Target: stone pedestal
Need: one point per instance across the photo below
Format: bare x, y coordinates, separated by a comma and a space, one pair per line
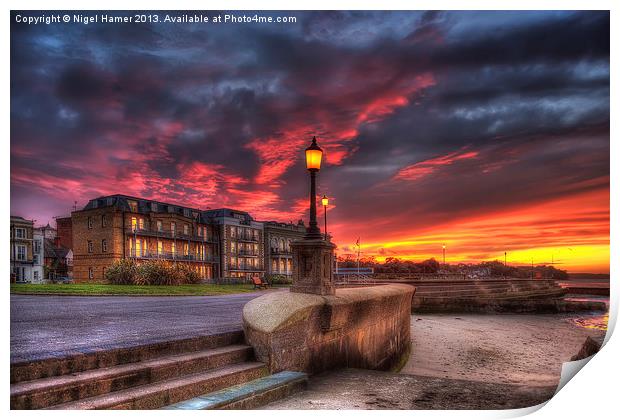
313, 260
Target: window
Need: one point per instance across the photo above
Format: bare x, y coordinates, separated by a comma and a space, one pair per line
104, 245
35, 259
90, 222
20, 233
138, 248
134, 223
174, 248
233, 247
154, 207
160, 247
160, 226
133, 205
36, 274
90, 247
186, 229
233, 232
173, 227
90, 273
36, 247
145, 246
104, 222
185, 249
141, 223
21, 252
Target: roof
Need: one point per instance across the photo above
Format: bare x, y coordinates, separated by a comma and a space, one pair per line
52, 251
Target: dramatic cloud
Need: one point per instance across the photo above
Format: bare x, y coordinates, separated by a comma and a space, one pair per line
486, 131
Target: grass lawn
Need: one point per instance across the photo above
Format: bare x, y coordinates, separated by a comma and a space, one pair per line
113, 289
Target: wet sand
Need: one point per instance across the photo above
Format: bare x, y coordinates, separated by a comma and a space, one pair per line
506, 349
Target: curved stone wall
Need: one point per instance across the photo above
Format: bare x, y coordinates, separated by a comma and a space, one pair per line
366, 327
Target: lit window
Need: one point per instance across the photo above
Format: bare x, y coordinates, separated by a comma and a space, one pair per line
90, 247
185, 249
186, 229
138, 248
140, 223
133, 205
134, 223
173, 227
160, 247
174, 248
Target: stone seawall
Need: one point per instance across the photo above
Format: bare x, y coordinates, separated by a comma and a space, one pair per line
365, 328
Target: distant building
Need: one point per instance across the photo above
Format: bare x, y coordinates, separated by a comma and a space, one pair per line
113, 227
64, 232
278, 253
58, 261
241, 243
22, 232
38, 255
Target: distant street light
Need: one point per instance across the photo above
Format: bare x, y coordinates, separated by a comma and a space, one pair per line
325, 202
444, 254
314, 155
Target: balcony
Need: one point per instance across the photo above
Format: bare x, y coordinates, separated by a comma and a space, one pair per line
169, 256
244, 267
169, 235
245, 238
275, 252
247, 253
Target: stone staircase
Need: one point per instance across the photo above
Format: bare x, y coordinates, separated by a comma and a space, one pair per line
152, 376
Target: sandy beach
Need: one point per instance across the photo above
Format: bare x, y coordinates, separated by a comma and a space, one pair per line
461, 362
508, 349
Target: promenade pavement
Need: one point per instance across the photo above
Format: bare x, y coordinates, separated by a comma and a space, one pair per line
51, 326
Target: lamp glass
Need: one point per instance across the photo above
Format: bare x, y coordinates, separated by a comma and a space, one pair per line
325, 201
313, 158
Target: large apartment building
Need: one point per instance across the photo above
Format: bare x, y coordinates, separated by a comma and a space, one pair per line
113, 227
241, 243
278, 253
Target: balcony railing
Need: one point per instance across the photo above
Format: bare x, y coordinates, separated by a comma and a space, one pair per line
245, 238
244, 267
278, 251
173, 256
246, 252
170, 235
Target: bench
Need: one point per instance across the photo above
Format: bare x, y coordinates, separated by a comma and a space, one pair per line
258, 283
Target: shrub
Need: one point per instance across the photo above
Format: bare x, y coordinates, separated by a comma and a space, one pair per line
188, 274
122, 272
279, 279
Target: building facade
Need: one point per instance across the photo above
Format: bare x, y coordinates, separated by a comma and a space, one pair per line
113, 227
22, 236
38, 255
241, 243
64, 233
278, 253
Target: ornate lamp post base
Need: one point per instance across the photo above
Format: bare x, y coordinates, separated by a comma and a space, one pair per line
313, 260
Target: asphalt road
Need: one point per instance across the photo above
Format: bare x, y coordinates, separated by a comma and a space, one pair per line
48, 326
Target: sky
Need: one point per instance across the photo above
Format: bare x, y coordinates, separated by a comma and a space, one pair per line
486, 132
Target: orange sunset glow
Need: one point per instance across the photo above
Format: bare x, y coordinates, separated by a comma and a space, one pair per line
437, 128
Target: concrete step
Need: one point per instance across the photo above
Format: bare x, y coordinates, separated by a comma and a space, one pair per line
486, 292
171, 391
247, 396
41, 393
79, 361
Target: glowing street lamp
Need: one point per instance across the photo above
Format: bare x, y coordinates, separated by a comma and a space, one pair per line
325, 202
314, 155
444, 254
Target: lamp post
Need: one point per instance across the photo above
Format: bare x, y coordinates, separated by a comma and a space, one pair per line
313, 163
444, 254
325, 202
